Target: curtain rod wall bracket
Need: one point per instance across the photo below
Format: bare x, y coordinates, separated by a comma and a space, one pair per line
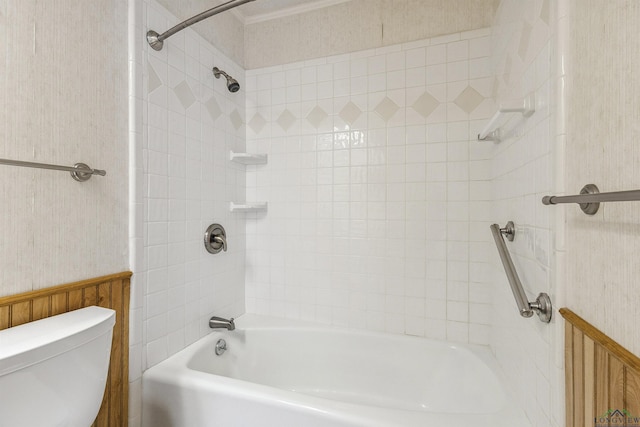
156, 41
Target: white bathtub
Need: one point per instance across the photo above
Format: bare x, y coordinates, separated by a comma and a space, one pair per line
289, 374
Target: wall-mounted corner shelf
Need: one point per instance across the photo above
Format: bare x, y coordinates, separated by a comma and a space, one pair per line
493, 130
248, 159
248, 207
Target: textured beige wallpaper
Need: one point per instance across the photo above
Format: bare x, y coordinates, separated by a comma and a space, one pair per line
603, 136
358, 25
64, 87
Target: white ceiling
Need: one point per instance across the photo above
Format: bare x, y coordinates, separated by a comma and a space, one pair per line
263, 10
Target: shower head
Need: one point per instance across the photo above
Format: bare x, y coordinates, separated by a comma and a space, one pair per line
232, 84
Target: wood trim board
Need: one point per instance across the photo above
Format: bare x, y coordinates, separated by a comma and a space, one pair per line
602, 378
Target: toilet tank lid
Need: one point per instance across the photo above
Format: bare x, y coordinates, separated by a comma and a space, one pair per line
24, 345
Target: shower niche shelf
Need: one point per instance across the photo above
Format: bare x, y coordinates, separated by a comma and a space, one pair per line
248, 158
494, 130
248, 207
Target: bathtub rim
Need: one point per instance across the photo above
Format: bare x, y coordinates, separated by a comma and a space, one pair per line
175, 369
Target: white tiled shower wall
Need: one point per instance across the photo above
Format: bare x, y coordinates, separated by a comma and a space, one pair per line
192, 123
379, 196
524, 168
184, 182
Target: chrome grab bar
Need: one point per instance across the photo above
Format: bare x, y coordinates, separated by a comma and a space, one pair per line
542, 305
590, 198
80, 171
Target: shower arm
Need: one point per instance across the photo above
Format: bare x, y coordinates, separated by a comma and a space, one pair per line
156, 40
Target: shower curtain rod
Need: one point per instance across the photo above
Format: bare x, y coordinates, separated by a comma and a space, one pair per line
156, 40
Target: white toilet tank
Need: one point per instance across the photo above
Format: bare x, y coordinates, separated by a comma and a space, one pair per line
53, 371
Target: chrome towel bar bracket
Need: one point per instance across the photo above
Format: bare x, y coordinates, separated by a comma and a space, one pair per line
542, 305
590, 198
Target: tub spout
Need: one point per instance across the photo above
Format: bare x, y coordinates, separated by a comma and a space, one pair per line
221, 323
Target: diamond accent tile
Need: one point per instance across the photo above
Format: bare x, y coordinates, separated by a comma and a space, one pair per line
545, 12
236, 119
185, 94
154, 80
469, 99
213, 108
257, 123
317, 116
525, 37
286, 120
425, 105
386, 108
350, 113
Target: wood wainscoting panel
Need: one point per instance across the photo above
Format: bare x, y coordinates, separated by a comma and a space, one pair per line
107, 291
602, 377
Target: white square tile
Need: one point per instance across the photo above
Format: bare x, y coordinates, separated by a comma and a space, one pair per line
415, 77
415, 326
395, 61
457, 331
415, 58
436, 153
324, 72
436, 74
479, 334
435, 329
457, 311
376, 64
436, 54
396, 79
480, 47
458, 51
377, 82
156, 351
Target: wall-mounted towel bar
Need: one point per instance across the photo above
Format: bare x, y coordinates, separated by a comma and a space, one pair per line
590, 198
80, 171
492, 131
542, 305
